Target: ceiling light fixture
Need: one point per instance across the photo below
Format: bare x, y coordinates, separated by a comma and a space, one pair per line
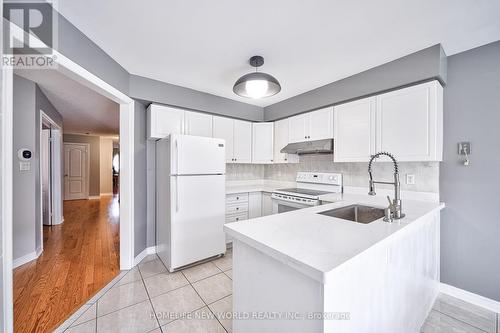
257, 84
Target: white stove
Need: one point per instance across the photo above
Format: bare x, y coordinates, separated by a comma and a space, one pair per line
310, 186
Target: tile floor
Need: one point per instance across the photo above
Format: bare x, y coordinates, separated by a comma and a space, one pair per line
148, 298
196, 299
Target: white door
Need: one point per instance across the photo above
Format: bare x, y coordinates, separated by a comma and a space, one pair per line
262, 142
75, 171
320, 124
297, 128
164, 120
409, 122
199, 124
354, 128
198, 216
45, 160
195, 155
242, 141
223, 128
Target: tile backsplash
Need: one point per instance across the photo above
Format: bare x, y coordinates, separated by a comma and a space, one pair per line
355, 174
244, 172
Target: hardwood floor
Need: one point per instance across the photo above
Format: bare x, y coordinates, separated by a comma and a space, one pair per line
80, 257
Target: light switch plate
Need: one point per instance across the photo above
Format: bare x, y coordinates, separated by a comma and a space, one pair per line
410, 179
464, 147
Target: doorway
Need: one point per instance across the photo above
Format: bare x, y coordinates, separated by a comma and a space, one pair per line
50, 172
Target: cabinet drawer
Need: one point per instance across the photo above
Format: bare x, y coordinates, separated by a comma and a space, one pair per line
236, 217
235, 208
237, 197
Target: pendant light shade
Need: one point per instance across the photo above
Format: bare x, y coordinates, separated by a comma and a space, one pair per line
257, 84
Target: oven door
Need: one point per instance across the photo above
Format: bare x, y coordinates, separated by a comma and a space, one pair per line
281, 206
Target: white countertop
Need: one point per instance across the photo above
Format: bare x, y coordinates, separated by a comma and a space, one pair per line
316, 244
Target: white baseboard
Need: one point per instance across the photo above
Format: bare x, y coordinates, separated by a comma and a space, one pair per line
108, 194
26, 258
143, 254
94, 197
469, 297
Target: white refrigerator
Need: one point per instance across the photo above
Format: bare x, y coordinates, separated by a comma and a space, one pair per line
190, 199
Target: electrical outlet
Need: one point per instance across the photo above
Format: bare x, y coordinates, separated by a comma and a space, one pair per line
410, 179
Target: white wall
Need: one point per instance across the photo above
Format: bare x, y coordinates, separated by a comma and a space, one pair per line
106, 166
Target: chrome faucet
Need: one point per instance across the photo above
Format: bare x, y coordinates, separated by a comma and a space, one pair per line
394, 211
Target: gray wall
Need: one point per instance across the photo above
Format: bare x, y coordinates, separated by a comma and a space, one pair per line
24, 193
95, 157
470, 245
28, 101
155, 91
140, 189
427, 64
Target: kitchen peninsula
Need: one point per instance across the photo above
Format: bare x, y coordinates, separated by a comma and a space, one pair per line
338, 275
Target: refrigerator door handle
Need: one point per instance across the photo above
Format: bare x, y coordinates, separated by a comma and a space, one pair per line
176, 157
176, 194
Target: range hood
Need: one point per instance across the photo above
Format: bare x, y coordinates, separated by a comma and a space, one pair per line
309, 147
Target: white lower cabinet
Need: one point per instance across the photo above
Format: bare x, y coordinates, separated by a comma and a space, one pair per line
247, 205
254, 205
267, 204
236, 209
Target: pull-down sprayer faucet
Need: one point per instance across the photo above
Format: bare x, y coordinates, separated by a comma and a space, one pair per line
394, 207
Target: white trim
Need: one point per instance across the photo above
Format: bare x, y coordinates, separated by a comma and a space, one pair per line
147, 251
6, 290
26, 258
94, 197
107, 194
469, 297
53, 196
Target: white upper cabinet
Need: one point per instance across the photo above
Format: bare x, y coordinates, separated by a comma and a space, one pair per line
320, 124
262, 142
223, 128
314, 125
199, 124
281, 139
242, 141
406, 122
298, 128
238, 136
354, 129
410, 122
163, 121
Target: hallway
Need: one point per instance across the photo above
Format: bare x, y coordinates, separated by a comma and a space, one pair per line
80, 257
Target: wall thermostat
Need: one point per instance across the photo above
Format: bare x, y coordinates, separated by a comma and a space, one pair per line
24, 154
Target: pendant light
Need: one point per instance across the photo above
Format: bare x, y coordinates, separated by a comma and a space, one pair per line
256, 85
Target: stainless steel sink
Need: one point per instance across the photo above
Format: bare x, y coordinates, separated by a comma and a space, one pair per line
356, 213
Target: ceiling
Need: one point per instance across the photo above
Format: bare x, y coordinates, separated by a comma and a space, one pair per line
83, 110
205, 45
